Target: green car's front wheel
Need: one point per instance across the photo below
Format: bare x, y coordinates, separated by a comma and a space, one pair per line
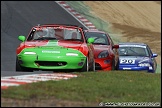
19, 68
86, 66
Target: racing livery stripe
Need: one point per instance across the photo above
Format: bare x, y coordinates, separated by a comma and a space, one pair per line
46, 43
29, 44
52, 43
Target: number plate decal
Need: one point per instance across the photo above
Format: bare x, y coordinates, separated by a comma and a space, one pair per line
127, 61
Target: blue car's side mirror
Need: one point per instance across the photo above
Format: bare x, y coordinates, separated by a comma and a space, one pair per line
154, 55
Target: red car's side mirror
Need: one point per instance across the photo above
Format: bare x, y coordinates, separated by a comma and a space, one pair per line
115, 46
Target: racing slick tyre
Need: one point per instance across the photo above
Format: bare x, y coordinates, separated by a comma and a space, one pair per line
93, 66
86, 66
113, 65
117, 65
20, 68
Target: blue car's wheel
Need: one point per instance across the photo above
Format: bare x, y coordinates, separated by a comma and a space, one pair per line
113, 65
117, 65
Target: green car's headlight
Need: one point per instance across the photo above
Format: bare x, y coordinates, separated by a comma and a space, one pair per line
103, 54
29, 53
71, 54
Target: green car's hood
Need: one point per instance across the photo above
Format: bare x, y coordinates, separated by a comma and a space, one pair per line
52, 47
54, 43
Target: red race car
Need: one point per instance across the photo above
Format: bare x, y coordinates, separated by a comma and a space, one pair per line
105, 52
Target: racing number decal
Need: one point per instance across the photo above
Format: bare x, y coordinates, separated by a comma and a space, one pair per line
127, 61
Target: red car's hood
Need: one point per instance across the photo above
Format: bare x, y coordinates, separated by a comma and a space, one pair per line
99, 48
70, 44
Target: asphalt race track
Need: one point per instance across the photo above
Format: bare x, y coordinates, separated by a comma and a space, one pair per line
17, 18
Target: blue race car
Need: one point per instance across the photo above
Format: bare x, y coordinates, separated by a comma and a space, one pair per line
136, 57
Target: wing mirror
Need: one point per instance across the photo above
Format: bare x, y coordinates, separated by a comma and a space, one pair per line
90, 40
21, 38
115, 46
154, 55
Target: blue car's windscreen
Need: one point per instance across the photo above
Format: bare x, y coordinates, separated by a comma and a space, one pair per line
133, 51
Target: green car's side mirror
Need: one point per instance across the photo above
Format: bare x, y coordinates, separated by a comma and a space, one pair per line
90, 40
21, 38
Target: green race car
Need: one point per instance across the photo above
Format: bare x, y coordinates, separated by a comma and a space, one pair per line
55, 47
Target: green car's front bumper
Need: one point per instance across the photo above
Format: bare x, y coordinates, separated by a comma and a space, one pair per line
51, 62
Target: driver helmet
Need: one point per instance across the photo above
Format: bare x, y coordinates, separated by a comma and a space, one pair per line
123, 51
42, 32
74, 35
51, 32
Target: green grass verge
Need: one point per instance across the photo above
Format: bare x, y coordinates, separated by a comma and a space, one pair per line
113, 86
